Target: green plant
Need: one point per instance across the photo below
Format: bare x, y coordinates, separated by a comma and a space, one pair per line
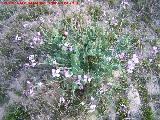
95, 12
16, 112
87, 62
112, 2
3, 96
141, 80
87, 53
32, 13
121, 108
7, 12
147, 113
143, 6
18, 92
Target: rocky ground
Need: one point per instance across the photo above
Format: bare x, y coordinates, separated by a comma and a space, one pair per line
20, 24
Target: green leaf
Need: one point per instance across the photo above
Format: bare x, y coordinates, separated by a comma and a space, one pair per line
74, 86
75, 63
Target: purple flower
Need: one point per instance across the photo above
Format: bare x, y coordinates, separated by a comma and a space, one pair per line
31, 57
92, 98
135, 58
61, 100
132, 62
78, 79
33, 64
31, 45
42, 19
37, 40
92, 108
82, 103
25, 25
78, 82
54, 63
124, 3
38, 33
87, 78
155, 49
129, 70
114, 22
68, 47
80, 86
65, 33
67, 73
121, 56
28, 82
32, 60
40, 84
56, 72
131, 66
29, 92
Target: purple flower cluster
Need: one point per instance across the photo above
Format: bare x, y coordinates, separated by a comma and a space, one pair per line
132, 62
68, 47
155, 49
30, 89
36, 40
32, 61
114, 21
65, 72
121, 56
81, 80
58, 71
64, 102
124, 3
92, 108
